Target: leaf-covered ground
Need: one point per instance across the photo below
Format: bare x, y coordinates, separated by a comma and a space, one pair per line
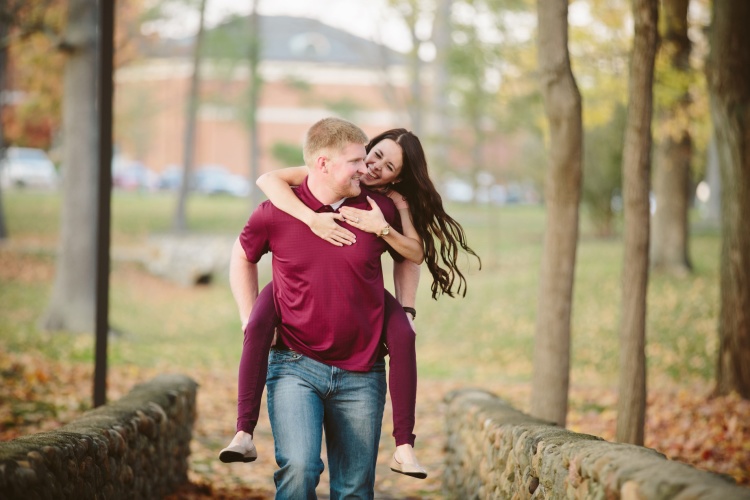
685, 424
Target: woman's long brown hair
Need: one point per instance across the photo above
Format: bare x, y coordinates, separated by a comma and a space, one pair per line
428, 215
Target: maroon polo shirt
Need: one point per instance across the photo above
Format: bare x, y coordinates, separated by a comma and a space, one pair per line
329, 298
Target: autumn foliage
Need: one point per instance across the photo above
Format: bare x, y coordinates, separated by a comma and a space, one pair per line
39, 394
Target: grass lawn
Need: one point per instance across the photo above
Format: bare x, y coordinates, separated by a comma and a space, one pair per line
485, 338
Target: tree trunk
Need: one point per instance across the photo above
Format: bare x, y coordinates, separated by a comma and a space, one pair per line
636, 166
440, 122
3, 75
73, 302
670, 231
188, 147
415, 76
713, 179
728, 74
254, 83
562, 102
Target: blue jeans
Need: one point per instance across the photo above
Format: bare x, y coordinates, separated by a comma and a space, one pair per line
305, 397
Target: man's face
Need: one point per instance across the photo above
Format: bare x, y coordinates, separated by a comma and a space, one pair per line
345, 169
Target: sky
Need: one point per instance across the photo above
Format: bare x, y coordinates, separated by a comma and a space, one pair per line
370, 19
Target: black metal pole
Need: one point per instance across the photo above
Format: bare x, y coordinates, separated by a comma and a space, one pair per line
105, 92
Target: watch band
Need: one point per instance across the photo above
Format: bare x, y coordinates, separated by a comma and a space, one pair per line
411, 311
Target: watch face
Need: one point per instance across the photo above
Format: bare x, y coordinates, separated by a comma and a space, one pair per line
386, 230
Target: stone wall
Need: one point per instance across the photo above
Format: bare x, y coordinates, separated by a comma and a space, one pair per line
136, 447
495, 451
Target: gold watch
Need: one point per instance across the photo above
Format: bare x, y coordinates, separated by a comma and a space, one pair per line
385, 231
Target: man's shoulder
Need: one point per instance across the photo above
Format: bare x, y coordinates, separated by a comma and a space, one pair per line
263, 208
378, 197
266, 213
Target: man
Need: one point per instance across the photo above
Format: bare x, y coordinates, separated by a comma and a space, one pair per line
326, 371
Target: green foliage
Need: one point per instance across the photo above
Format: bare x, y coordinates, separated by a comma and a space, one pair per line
600, 50
289, 155
298, 84
230, 41
680, 97
531, 161
602, 170
345, 108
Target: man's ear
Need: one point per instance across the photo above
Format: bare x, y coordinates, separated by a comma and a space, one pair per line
321, 164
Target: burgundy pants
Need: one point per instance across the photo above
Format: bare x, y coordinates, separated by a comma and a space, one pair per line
398, 337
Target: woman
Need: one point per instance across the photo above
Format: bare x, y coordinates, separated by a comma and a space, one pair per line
397, 167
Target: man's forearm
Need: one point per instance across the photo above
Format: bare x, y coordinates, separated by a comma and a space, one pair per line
243, 281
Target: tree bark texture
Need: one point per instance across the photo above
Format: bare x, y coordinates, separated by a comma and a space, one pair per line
73, 302
562, 102
631, 406
191, 113
672, 183
728, 74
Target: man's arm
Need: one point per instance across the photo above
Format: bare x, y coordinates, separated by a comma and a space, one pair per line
243, 281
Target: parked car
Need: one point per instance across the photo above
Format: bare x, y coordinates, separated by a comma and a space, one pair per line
215, 179
27, 167
458, 190
132, 176
208, 179
171, 178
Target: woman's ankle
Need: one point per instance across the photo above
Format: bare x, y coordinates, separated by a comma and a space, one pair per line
405, 454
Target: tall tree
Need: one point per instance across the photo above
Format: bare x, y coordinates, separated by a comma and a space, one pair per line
602, 171
439, 130
179, 223
602, 42
728, 73
253, 96
636, 170
672, 179
73, 301
412, 11
4, 28
468, 66
562, 103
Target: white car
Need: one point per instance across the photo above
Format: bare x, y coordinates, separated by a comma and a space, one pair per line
27, 167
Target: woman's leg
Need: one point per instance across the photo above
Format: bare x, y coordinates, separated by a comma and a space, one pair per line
400, 339
254, 361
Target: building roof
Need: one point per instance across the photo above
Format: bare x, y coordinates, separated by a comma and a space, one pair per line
285, 38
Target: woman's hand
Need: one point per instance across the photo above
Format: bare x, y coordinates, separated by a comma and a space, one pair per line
324, 226
370, 221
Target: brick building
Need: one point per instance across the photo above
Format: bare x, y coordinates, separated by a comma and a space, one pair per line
309, 70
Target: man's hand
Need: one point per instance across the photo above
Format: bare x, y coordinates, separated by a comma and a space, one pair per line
324, 226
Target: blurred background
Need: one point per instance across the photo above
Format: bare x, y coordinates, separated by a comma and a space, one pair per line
461, 75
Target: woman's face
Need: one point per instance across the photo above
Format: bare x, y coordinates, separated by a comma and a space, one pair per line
384, 163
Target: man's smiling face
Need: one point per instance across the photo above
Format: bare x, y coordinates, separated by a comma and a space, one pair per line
346, 169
